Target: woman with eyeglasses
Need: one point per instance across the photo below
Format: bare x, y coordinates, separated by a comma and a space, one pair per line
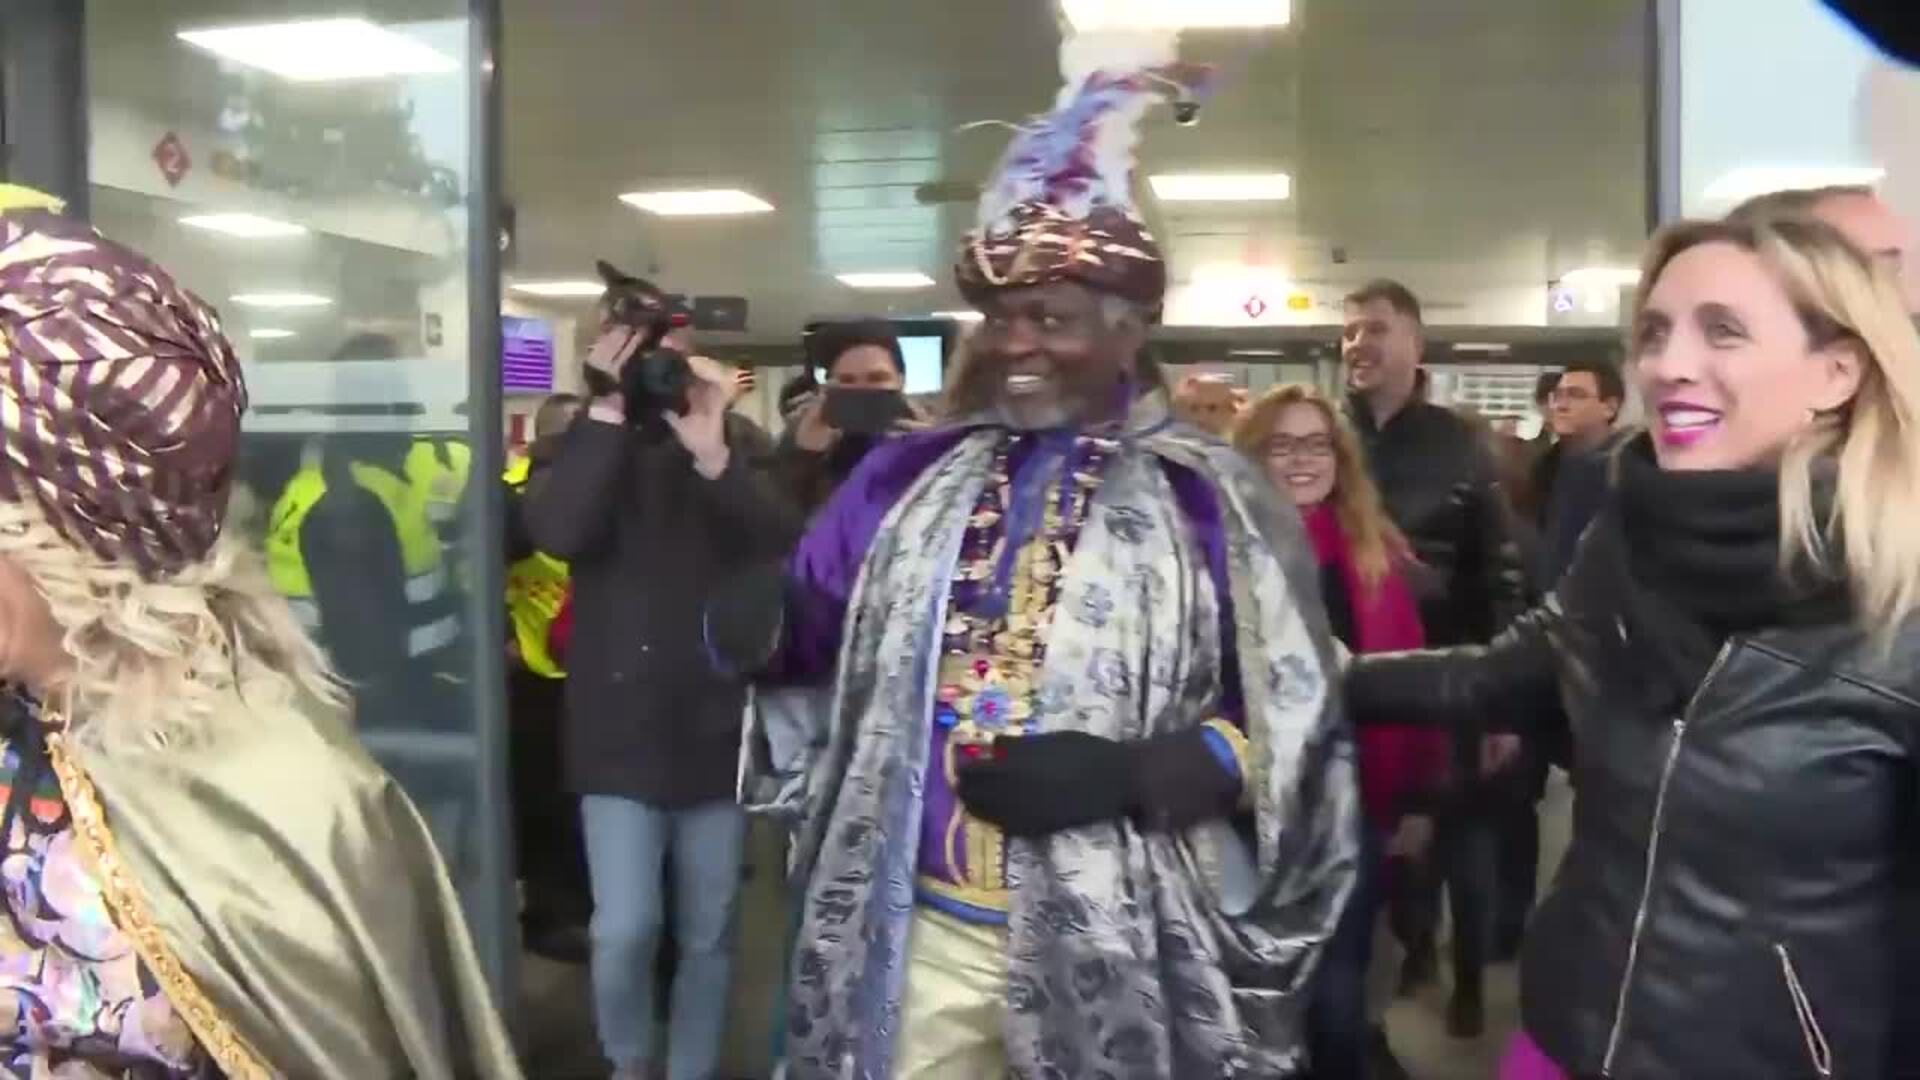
1737, 647
1313, 457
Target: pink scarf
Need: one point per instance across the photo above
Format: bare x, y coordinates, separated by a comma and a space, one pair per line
1396, 760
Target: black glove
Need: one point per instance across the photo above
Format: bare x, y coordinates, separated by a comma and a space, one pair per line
745, 619
1037, 785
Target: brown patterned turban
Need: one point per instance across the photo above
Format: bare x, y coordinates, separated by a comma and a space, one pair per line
1109, 250
120, 397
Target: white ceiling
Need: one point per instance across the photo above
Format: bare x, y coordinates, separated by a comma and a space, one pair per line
1465, 147
1473, 148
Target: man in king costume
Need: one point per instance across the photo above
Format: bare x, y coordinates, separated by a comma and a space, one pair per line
1046, 692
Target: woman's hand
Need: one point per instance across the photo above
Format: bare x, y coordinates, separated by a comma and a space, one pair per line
1411, 838
810, 430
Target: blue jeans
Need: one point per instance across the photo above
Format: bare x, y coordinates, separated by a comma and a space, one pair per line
1337, 1024
627, 844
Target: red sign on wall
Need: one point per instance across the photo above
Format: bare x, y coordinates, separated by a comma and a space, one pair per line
170, 153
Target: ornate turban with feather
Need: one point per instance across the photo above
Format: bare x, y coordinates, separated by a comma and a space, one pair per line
1060, 206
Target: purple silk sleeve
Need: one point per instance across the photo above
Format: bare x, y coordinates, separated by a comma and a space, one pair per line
821, 573
1200, 505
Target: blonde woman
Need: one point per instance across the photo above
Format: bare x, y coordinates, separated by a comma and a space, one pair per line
1297, 437
204, 876
1737, 647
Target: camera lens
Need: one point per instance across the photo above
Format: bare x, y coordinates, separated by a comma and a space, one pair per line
1186, 113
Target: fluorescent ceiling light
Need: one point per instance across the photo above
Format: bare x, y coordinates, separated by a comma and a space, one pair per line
1600, 277
244, 226
281, 300
1737, 185
909, 279
959, 316
1254, 352
1481, 346
322, 50
1087, 15
1222, 187
721, 203
269, 334
559, 288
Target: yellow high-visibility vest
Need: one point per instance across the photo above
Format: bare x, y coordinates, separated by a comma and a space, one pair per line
434, 625
536, 591
438, 469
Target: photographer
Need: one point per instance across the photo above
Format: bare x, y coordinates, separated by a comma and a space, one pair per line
830, 428
653, 496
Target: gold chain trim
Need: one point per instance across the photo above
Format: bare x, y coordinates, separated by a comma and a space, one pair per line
128, 903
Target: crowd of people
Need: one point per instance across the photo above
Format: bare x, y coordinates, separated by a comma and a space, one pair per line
1105, 719
1049, 691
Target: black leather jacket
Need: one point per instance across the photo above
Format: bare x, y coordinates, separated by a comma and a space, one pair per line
1441, 486
1729, 903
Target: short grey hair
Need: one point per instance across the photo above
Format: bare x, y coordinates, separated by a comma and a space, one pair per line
1795, 202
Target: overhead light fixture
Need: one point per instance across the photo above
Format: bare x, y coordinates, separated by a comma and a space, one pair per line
729, 202
244, 226
1255, 352
959, 316
270, 334
1601, 277
1090, 15
322, 50
1481, 347
1222, 187
908, 279
1738, 185
559, 289
281, 300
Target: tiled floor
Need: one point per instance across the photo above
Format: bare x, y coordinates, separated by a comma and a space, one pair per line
558, 1018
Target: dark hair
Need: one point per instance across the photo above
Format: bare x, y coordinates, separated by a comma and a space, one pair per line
1543, 387
1606, 376
1397, 296
833, 340
368, 345
1795, 201
553, 414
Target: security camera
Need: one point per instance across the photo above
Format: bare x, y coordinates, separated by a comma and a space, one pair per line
1186, 112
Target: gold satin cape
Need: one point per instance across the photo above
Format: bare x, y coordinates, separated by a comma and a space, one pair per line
289, 899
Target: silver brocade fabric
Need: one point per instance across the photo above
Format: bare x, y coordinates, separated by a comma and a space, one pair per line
1133, 956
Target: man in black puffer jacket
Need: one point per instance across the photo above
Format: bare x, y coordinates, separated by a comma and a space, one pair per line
1441, 486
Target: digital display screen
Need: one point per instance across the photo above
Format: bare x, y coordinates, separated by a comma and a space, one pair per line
926, 362
526, 354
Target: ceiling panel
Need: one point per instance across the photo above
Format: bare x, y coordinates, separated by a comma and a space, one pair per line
1466, 146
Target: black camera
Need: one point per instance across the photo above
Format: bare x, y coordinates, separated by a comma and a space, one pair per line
655, 379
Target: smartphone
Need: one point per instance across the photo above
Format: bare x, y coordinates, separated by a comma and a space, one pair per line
861, 410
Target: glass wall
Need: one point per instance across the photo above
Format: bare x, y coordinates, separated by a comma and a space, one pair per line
1771, 94
312, 176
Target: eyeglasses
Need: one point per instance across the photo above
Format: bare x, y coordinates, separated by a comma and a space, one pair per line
1307, 446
